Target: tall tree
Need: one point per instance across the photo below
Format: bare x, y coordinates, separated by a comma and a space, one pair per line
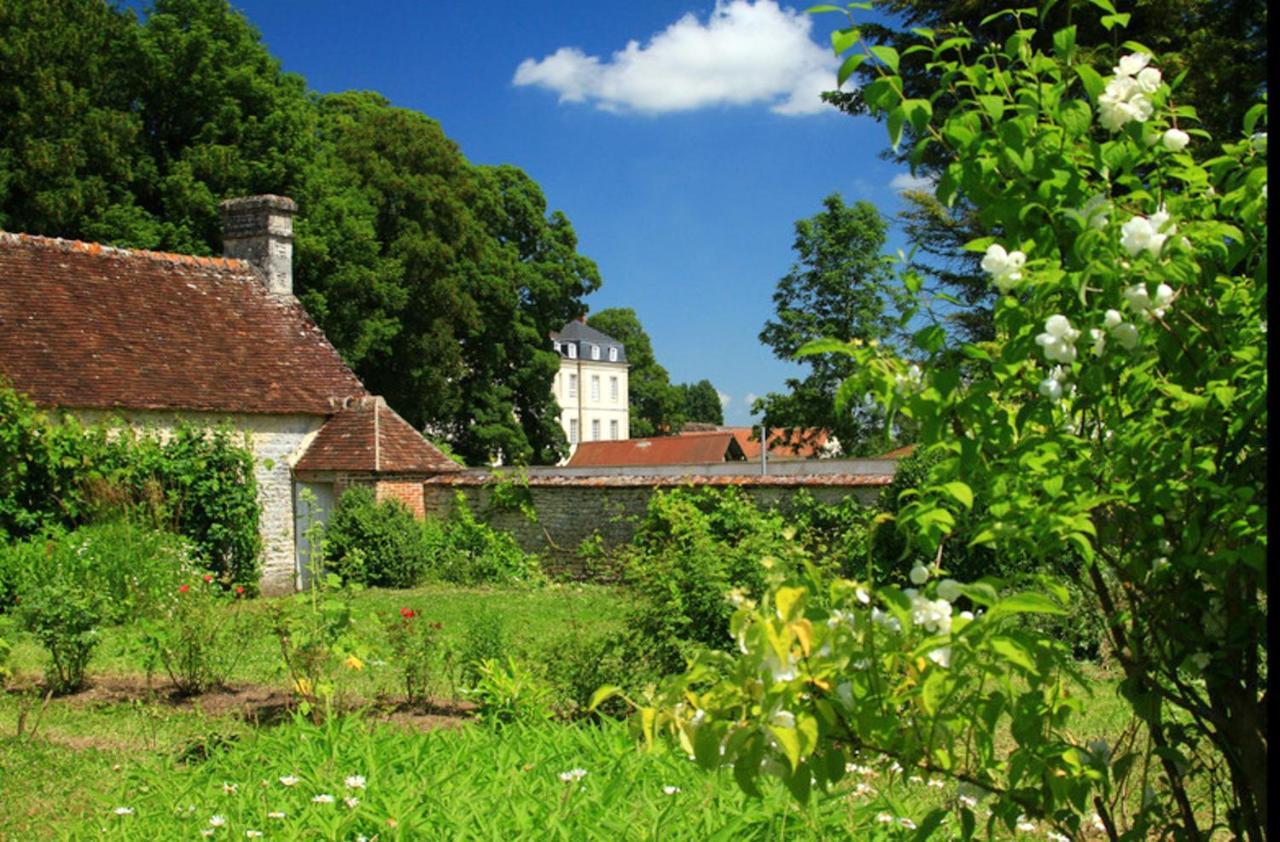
655, 405
701, 402
838, 289
436, 280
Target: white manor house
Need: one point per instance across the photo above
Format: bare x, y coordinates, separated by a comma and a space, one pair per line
591, 386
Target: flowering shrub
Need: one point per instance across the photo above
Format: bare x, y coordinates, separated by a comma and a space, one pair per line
1145, 456
413, 641
321, 639
199, 634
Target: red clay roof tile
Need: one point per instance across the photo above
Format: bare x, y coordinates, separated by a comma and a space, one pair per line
368, 436
684, 449
89, 326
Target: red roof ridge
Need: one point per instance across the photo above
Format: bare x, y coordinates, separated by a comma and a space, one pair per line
118, 252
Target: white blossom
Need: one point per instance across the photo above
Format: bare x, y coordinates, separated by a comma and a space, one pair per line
1127, 335
355, 781
351, 802
670, 790
289, 780
276, 814
1149, 306
1175, 139
783, 719
1148, 80
322, 798
123, 811
217, 821
1058, 339
941, 656
907, 823
949, 589
1131, 64
1099, 338
1003, 267
884, 818
573, 775
919, 574
1123, 101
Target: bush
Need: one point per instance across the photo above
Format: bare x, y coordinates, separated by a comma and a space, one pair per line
413, 641
691, 549
507, 692
484, 639
67, 585
59, 474
383, 537
467, 551
199, 634
574, 666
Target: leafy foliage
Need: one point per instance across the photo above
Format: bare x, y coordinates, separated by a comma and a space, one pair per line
375, 543
437, 280
198, 634
838, 289
467, 551
198, 483
1145, 454
700, 402
656, 407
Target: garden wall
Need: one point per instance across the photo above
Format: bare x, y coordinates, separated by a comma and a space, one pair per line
572, 509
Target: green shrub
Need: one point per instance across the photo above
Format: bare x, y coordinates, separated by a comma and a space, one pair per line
575, 665
57, 473
6, 647
468, 551
198, 635
485, 638
413, 641
691, 549
383, 537
507, 691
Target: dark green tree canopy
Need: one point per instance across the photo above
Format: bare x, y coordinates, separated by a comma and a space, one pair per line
839, 288
701, 402
655, 405
438, 281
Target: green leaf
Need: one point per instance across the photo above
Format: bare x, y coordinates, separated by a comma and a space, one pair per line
1109, 22
960, 492
1026, 602
1064, 42
886, 54
1104, 5
848, 66
1093, 84
993, 105
1013, 651
789, 601
789, 740
931, 823
897, 117
919, 113
843, 39
602, 694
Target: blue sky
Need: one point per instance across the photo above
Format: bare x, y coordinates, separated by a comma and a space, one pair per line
682, 160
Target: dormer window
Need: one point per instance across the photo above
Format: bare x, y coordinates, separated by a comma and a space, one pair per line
595, 352
613, 354
572, 349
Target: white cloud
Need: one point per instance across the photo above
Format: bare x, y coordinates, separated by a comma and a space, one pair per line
744, 53
725, 399
750, 398
906, 181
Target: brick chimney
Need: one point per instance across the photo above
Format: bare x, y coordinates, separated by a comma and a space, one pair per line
259, 229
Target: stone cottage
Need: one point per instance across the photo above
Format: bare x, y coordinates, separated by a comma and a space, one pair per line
154, 339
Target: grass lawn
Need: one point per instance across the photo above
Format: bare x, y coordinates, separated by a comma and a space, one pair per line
178, 765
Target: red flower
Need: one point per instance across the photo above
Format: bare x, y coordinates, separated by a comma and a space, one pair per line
208, 578
407, 613
184, 589
239, 590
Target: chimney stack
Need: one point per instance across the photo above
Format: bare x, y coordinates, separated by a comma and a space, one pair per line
259, 229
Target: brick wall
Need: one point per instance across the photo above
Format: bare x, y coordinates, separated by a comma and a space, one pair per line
569, 514
408, 492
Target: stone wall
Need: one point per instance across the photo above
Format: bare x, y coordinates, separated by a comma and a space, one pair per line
277, 442
572, 511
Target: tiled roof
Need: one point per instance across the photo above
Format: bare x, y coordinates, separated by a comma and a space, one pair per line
684, 449
654, 481
898, 453
368, 436
89, 326
809, 442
